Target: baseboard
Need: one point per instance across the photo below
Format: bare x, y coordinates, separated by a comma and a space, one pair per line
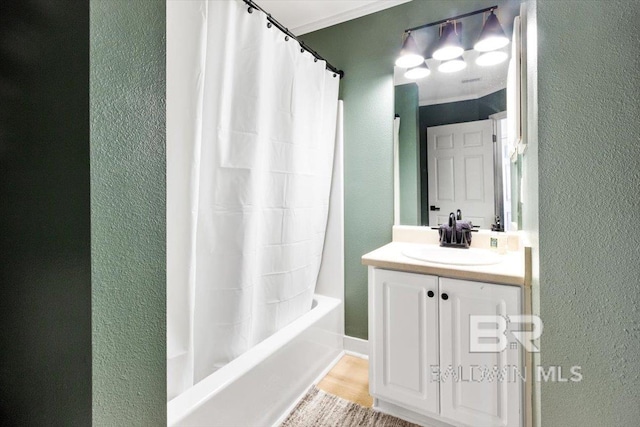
356, 346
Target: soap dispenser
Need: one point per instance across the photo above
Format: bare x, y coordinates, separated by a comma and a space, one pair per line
495, 227
498, 237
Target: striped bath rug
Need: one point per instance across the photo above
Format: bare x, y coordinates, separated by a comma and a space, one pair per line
320, 409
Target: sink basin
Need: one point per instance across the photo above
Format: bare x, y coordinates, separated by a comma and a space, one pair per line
453, 256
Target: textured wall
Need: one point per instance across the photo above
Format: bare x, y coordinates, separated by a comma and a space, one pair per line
589, 178
128, 212
45, 257
366, 48
406, 106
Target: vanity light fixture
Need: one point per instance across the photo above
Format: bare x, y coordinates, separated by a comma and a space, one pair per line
452, 65
449, 46
419, 72
410, 55
491, 58
492, 36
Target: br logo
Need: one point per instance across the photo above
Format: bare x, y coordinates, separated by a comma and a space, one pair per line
490, 334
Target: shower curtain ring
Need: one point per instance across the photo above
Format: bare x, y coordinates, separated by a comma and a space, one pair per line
250, 10
286, 38
268, 24
315, 59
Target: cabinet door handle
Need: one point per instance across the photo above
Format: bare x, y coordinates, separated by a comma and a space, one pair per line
445, 297
430, 294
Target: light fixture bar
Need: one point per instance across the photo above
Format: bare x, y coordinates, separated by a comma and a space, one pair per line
453, 18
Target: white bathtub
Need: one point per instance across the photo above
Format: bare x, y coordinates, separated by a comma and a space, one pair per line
258, 387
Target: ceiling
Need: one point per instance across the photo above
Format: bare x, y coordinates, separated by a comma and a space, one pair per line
305, 16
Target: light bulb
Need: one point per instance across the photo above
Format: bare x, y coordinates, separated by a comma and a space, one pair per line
448, 46
491, 43
492, 36
447, 52
491, 58
410, 55
418, 72
409, 60
452, 65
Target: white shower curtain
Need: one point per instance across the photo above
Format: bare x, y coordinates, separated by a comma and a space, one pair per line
251, 130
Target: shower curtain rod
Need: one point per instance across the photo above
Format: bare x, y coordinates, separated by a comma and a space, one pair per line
285, 30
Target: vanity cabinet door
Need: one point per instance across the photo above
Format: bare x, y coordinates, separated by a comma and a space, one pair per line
478, 389
405, 339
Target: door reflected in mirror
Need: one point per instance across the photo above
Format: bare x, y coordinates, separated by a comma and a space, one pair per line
454, 139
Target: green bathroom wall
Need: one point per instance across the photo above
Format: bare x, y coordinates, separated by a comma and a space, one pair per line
368, 151
406, 106
45, 254
127, 110
463, 111
589, 181
366, 48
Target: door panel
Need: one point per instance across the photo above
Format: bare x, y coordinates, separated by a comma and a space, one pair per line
405, 337
444, 141
460, 171
479, 389
445, 179
474, 179
472, 139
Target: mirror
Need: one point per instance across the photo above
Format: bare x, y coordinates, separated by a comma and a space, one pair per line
455, 139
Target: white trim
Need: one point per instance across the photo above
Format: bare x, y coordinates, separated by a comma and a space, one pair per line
499, 116
346, 16
396, 170
436, 101
356, 346
358, 355
424, 102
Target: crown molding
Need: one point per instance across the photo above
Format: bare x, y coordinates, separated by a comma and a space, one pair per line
481, 93
367, 9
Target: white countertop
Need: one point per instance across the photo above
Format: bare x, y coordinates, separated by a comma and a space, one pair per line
511, 271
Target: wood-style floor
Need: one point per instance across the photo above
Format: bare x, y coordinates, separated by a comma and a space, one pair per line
349, 379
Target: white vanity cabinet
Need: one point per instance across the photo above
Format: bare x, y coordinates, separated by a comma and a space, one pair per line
405, 339
421, 364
